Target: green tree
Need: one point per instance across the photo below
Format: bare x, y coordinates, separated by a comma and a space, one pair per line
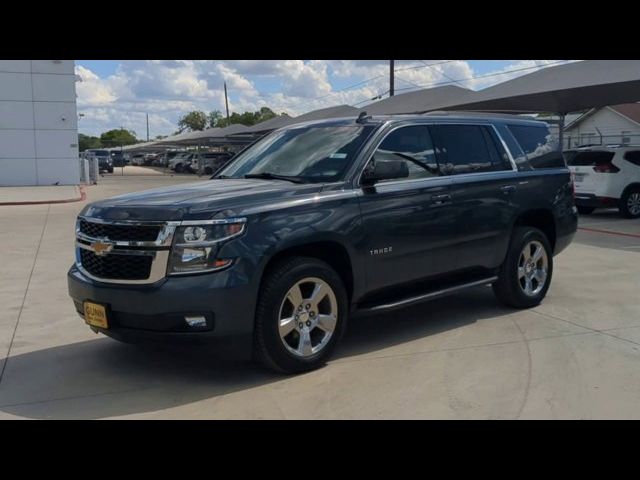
86, 142
195, 120
215, 117
247, 118
118, 137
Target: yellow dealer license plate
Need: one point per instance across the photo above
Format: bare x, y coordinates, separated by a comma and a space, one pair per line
96, 315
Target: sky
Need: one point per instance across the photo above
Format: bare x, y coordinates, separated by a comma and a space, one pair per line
120, 93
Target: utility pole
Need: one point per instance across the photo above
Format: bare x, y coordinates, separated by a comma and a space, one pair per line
391, 80
147, 127
226, 101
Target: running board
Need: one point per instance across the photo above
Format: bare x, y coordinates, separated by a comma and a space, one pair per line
426, 296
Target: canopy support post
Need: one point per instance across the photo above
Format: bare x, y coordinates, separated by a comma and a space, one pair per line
561, 131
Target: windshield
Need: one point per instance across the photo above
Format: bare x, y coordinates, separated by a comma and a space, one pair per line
100, 153
316, 153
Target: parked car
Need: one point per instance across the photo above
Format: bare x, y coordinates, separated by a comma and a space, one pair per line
137, 159
606, 177
323, 220
149, 158
159, 160
168, 156
105, 163
182, 162
210, 162
118, 158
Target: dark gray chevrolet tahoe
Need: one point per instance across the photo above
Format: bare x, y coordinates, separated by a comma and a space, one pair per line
323, 220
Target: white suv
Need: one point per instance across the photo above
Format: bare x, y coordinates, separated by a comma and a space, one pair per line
607, 176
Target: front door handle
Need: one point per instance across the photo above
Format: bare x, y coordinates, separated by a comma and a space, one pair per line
508, 189
441, 199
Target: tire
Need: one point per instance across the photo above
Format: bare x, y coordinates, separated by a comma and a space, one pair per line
629, 206
178, 168
514, 276
110, 170
585, 210
287, 353
208, 171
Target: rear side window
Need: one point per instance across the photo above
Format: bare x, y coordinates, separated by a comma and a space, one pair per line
538, 144
589, 159
466, 149
633, 157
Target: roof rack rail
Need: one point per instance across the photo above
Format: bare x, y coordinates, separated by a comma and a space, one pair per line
479, 113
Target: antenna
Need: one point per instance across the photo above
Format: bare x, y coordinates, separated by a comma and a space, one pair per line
363, 117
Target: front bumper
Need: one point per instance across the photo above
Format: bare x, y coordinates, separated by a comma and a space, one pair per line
156, 312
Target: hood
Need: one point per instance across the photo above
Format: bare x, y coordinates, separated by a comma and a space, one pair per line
198, 200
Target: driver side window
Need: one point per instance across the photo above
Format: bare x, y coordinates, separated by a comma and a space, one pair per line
412, 141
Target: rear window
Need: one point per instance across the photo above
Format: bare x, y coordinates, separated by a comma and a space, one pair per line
541, 148
588, 159
633, 157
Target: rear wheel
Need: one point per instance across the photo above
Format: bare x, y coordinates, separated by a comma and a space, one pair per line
301, 315
630, 203
585, 210
525, 275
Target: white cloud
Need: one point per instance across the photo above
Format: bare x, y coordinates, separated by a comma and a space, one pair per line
167, 89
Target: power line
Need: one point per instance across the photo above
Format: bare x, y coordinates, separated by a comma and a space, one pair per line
488, 75
440, 71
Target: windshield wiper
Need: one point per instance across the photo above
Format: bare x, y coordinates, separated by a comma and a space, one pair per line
274, 176
216, 177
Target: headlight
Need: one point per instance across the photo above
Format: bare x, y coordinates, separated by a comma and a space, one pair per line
196, 245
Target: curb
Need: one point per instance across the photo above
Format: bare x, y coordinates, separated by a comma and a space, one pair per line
82, 197
609, 232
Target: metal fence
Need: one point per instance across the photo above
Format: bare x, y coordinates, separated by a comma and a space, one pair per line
574, 141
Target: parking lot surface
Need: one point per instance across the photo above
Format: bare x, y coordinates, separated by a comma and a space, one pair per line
576, 356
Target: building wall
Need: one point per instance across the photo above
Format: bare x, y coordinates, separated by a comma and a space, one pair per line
611, 124
38, 123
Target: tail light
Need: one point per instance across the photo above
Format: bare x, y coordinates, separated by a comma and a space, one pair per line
606, 168
573, 183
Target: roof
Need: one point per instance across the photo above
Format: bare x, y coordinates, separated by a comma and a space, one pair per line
420, 101
283, 121
629, 110
564, 88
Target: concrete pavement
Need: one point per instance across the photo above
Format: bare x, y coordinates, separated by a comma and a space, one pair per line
574, 356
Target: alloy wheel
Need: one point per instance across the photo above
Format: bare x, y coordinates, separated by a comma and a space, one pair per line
633, 204
307, 317
533, 268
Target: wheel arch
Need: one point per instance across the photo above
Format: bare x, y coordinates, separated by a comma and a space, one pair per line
540, 218
331, 251
631, 186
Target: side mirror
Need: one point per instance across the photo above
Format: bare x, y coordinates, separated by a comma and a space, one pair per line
379, 170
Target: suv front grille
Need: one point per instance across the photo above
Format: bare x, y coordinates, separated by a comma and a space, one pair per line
116, 267
132, 233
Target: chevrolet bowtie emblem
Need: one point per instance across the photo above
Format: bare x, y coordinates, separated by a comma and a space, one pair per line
101, 248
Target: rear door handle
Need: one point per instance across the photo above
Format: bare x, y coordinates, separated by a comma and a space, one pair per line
508, 189
441, 199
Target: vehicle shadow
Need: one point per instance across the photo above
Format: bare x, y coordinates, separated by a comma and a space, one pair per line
103, 378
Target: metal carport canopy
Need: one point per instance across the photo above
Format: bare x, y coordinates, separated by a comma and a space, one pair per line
420, 101
561, 89
320, 114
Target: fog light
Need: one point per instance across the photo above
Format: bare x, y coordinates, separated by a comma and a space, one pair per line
196, 321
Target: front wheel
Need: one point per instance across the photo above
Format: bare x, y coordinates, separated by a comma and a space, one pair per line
525, 274
630, 203
178, 168
301, 315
